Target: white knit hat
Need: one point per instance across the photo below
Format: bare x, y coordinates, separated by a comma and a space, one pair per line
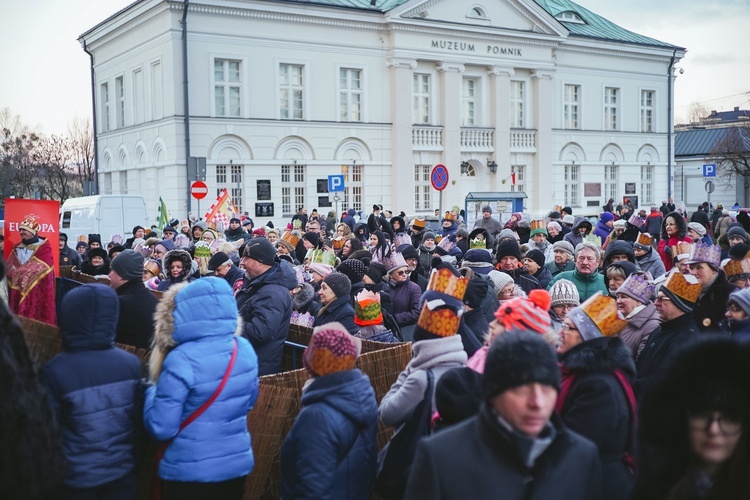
499, 279
564, 292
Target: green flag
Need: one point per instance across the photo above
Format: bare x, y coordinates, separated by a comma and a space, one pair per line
163, 219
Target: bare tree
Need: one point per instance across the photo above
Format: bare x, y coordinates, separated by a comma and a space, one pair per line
697, 112
732, 154
56, 175
81, 136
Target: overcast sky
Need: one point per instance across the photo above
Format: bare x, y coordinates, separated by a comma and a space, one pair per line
46, 78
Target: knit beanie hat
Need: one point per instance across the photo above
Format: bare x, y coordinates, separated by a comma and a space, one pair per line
637, 287
537, 256
354, 270
563, 246
538, 226
262, 250
322, 269
313, 238
698, 228
606, 217
597, 317
458, 395
499, 279
338, 283
508, 248
506, 233
167, 244
741, 298
218, 260
408, 252
128, 265
94, 238
476, 291
526, 313
81, 244
737, 232
367, 310
376, 271
428, 235
331, 349
739, 251
564, 293
478, 259
115, 249
518, 358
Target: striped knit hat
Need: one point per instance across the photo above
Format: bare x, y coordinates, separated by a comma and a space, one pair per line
526, 313
564, 292
332, 349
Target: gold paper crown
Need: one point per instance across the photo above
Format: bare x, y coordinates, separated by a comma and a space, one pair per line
444, 281
338, 242
291, 237
443, 322
538, 224
736, 268
450, 215
644, 239
418, 223
602, 309
682, 248
679, 285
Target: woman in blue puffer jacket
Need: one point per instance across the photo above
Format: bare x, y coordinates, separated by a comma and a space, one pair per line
211, 457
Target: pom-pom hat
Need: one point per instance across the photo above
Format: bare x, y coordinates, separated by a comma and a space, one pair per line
597, 317
526, 313
331, 349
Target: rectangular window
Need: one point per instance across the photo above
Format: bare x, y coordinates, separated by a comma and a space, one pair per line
104, 106
422, 187
229, 177
610, 181
350, 95
123, 183
227, 87
137, 96
157, 111
647, 110
421, 99
517, 104
469, 103
120, 102
354, 187
611, 108
572, 179
292, 188
108, 183
647, 185
520, 171
291, 91
571, 106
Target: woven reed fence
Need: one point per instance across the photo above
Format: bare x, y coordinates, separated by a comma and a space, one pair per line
275, 410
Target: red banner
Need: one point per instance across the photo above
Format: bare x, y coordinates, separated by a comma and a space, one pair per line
45, 212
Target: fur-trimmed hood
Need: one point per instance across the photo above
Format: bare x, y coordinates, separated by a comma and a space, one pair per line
181, 317
599, 355
301, 300
177, 254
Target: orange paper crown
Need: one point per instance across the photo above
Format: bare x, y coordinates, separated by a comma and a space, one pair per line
737, 268
450, 215
644, 239
602, 309
679, 285
444, 281
291, 237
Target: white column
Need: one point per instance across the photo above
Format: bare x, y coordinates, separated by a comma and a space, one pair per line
500, 119
450, 118
542, 179
402, 157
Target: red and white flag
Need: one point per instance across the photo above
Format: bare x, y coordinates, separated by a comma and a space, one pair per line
222, 210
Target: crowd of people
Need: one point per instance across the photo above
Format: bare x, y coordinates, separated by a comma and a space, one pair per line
557, 357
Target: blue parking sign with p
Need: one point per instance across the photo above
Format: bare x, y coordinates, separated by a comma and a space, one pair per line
709, 170
335, 183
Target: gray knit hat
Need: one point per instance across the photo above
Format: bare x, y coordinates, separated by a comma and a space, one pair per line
741, 298
128, 264
564, 292
338, 283
564, 246
499, 279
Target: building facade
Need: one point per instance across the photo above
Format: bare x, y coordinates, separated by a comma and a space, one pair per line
281, 94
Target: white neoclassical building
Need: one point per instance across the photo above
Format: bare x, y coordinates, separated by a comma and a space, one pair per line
278, 95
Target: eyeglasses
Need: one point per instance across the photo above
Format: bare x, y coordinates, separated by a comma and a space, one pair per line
704, 421
401, 273
563, 307
662, 298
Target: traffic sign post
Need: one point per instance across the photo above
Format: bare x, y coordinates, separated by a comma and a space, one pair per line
198, 190
439, 180
710, 186
336, 184
709, 170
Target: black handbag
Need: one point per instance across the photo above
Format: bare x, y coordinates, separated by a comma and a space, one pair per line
396, 458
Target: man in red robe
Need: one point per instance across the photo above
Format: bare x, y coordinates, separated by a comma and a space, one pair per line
31, 276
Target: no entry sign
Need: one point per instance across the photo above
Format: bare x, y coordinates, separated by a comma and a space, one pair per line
439, 177
199, 190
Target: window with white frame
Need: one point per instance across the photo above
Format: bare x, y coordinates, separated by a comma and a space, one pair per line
119, 102
421, 98
137, 96
124, 182
611, 108
571, 106
572, 185
350, 95
520, 172
292, 188
108, 183
229, 177
517, 104
227, 88
468, 102
353, 187
610, 181
291, 91
422, 187
647, 184
647, 110
104, 106
157, 106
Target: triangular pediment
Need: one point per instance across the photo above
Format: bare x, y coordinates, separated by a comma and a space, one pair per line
515, 15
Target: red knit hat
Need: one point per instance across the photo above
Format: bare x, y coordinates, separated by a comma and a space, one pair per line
526, 313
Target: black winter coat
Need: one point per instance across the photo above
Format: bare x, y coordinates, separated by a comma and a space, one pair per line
265, 305
710, 308
477, 323
477, 459
597, 408
340, 310
137, 307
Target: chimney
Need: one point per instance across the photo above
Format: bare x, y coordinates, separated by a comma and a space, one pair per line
736, 108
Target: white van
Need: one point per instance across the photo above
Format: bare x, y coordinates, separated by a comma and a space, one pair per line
106, 215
